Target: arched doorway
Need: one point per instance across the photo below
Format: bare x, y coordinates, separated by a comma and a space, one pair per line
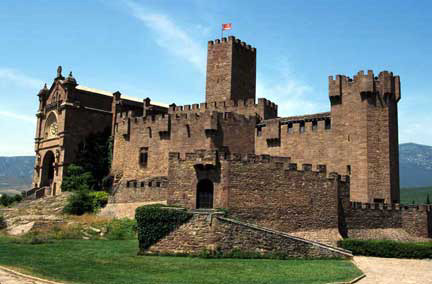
204, 194
47, 169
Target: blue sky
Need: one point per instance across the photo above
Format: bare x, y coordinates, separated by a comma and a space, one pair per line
157, 49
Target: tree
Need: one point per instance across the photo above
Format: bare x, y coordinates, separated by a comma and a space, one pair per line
428, 199
76, 178
95, 156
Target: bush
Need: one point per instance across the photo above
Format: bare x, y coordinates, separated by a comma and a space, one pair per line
121, 229
155, 222
85, 201
100, 199
385, 248
79, 202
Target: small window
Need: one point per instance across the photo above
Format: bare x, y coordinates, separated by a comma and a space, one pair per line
143, 157
314, 125
290, 127
142, 184
135, 184
149, 132
348, 170
259, 131
302, 127
188, 132
127, 183
327, 124
378, 200
158, 184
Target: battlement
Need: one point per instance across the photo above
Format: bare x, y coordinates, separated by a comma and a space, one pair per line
282, 163
264, 108
234, 41
390, 206
386, 84
128, 123
275, 129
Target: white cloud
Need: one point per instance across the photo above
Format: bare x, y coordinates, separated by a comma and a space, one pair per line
15, 116
292, 96
170, 36
11, 76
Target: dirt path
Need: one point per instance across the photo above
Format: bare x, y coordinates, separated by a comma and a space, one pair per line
393, 270
8, 276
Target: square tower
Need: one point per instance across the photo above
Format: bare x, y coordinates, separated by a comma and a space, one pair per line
231, 70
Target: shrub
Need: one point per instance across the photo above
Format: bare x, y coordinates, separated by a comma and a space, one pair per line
155, 222
385, 248
2, 222
121, 229
18, 198
100, 199
7, 200
79, 202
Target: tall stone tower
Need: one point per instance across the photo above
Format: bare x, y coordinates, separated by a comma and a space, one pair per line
365, 123
231, 70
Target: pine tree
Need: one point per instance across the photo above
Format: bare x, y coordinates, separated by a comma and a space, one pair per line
427, 199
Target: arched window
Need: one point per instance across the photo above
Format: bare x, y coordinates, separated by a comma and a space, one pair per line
51, 127
149, 131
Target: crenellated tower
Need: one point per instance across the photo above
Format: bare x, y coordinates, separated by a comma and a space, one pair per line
231, 70
365, 125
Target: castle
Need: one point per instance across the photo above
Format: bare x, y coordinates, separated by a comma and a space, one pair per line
337, 170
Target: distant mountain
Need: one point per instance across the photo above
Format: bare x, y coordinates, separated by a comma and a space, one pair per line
415, 162
16, 172
415, 168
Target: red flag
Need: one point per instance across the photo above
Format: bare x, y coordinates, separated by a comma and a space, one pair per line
226, 26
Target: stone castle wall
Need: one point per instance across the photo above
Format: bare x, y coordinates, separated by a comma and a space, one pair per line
358, 137
178, 132
264, 190
136, 190
361, 218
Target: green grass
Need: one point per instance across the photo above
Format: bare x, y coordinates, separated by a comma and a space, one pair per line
101, 261
416, 194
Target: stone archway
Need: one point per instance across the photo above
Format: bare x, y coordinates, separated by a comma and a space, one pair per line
47, 169
204, 194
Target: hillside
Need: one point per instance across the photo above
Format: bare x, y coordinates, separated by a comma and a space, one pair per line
16, 172
415, 165
415, 168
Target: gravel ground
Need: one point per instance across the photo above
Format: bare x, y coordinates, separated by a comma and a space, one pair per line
392, 270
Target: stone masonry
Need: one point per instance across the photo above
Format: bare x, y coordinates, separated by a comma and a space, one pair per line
291, 174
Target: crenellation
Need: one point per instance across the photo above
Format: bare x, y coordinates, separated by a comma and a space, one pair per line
296, 173
389, 206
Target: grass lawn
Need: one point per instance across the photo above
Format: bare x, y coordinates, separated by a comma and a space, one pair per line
416, 194
109, 262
